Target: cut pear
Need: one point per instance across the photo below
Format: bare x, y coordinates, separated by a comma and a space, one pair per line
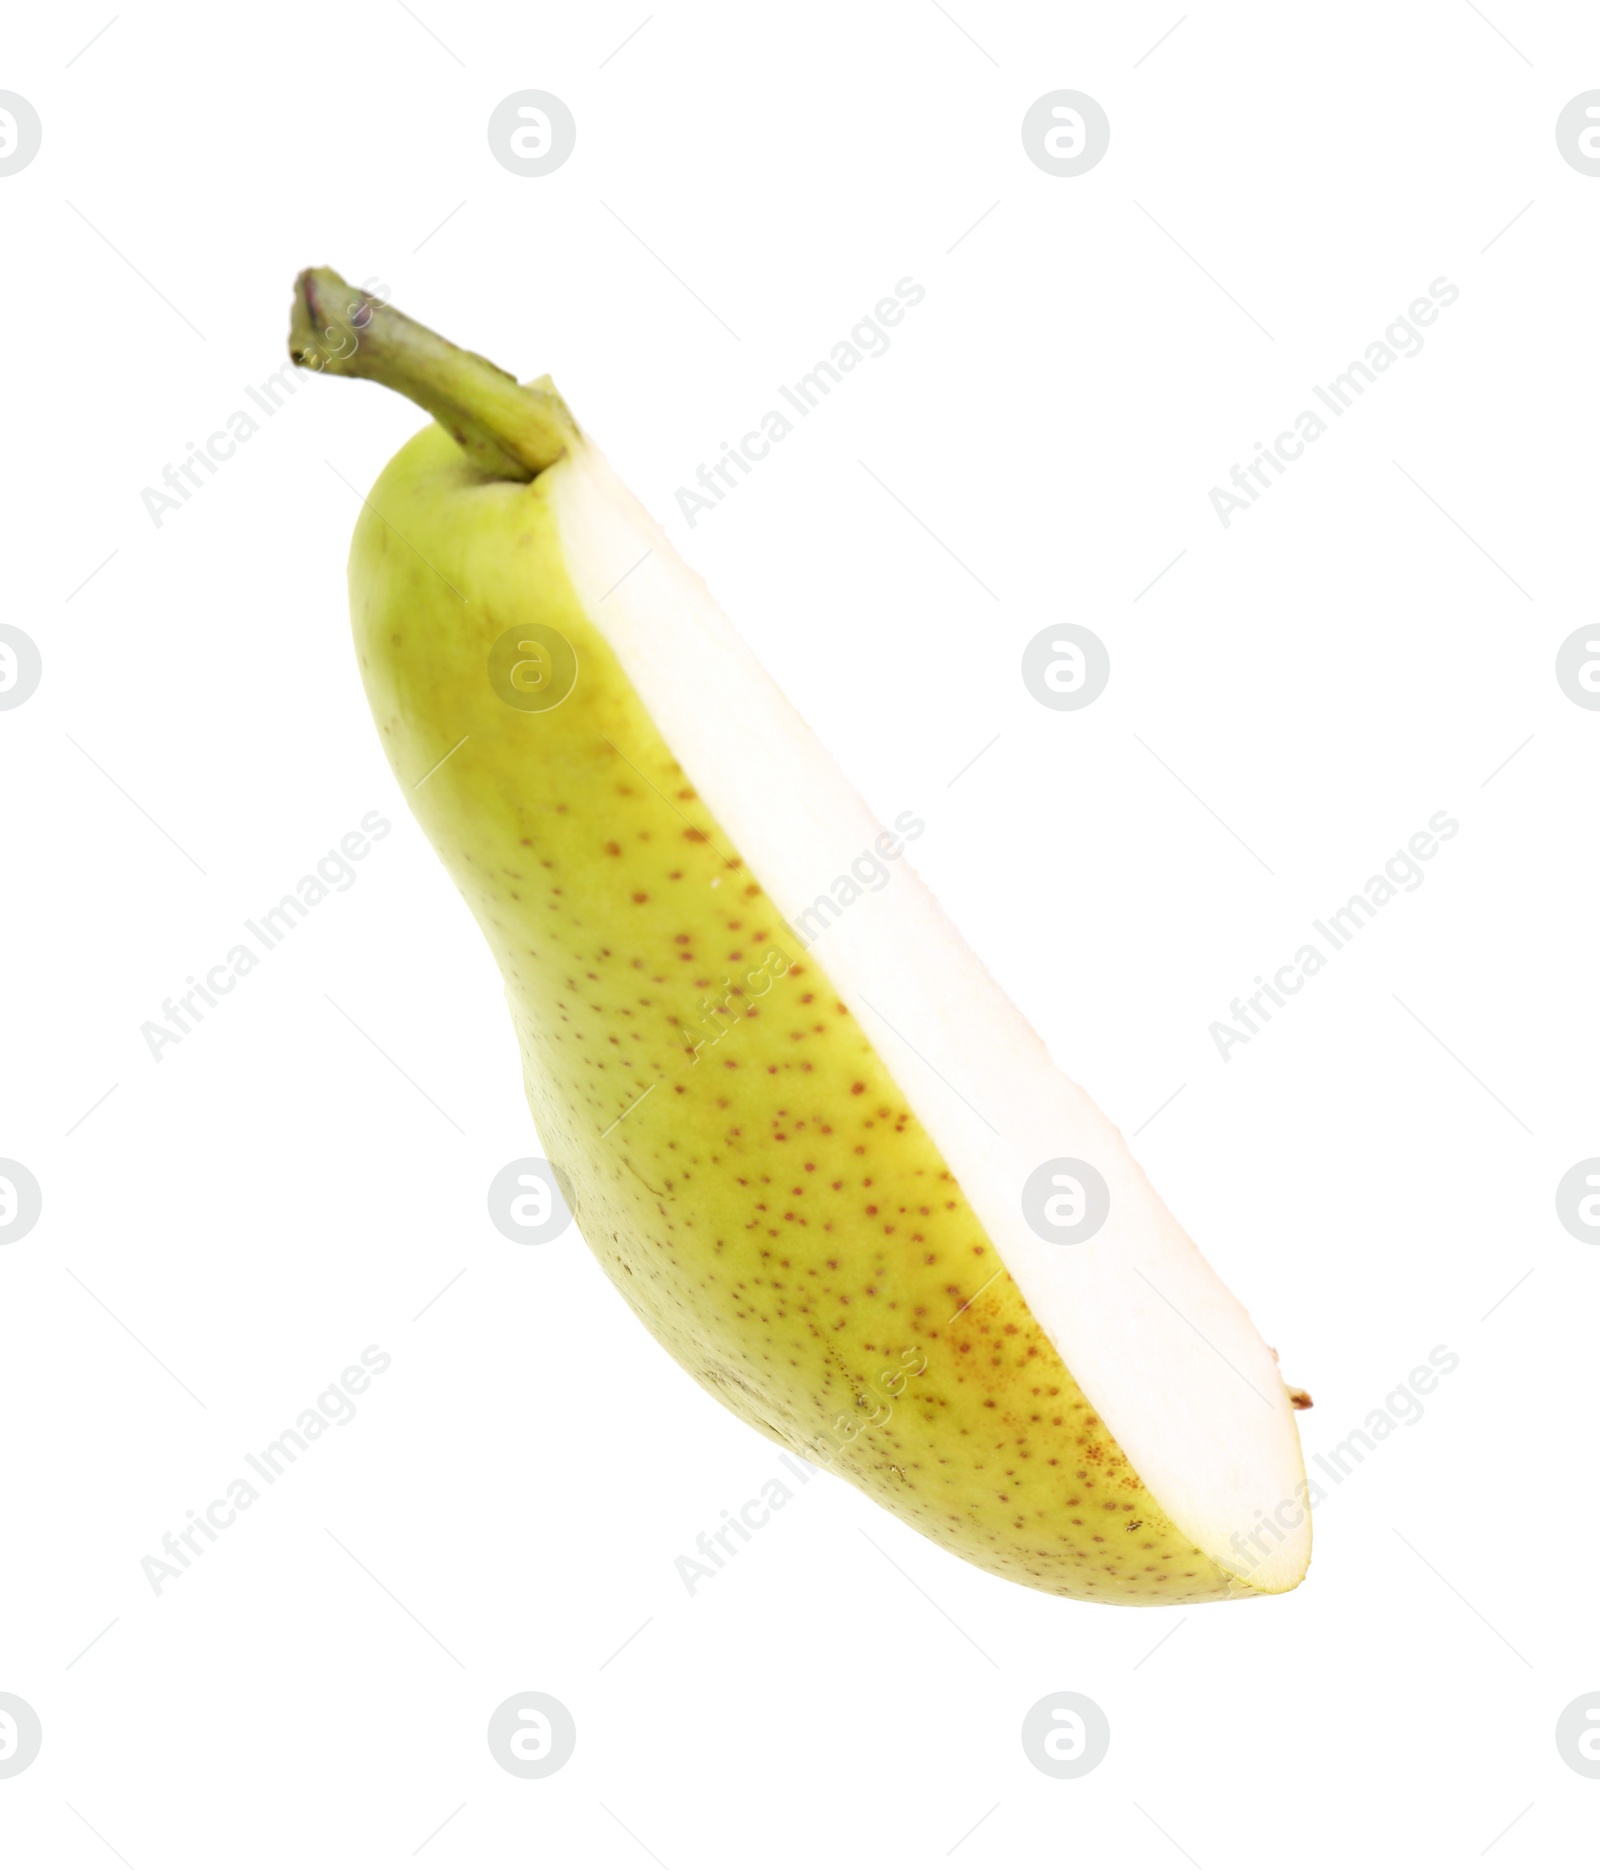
801, 1159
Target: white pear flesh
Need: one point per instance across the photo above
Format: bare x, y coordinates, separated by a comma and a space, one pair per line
1163, 1351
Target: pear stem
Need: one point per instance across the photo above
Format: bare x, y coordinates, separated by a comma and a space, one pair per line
512, 431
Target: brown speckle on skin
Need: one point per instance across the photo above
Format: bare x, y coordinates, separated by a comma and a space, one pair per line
730, 1201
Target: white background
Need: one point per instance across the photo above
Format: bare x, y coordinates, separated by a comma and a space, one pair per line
1365, 647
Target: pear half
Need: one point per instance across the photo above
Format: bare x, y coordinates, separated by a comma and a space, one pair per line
800, 1158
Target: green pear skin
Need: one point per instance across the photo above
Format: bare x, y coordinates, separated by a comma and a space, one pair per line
767, 1205
739, 1159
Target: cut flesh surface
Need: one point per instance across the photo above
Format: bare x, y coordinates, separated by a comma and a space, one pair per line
1162, 1349
1101, 1420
